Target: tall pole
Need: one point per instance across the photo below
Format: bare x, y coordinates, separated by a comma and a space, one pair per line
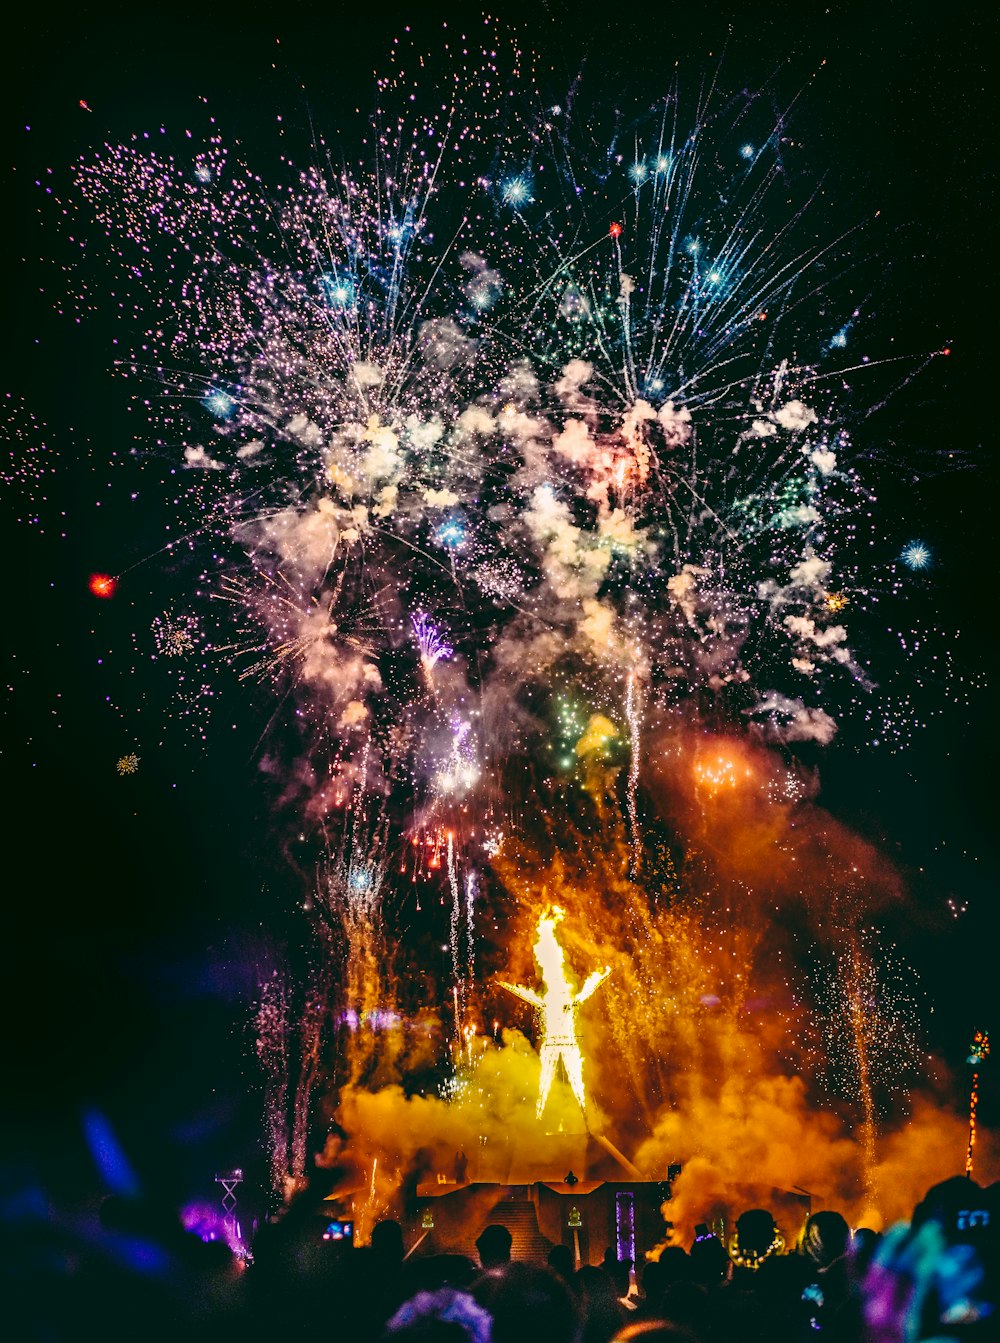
229, 1179
978, 1051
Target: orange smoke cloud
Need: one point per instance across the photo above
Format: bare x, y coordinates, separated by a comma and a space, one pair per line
695, 1053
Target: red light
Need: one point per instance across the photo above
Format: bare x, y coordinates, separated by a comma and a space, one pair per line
615, 230
946, 350
102, 585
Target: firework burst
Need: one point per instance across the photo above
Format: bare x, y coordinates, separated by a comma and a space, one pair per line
557, 422
508, 458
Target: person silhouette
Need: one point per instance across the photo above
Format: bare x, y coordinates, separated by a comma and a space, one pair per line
494, 1245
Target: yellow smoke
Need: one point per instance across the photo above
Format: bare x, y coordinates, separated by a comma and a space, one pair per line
696, 1056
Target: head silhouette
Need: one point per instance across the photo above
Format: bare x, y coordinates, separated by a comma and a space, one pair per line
826, 1237
560, 1261
528, 1304
493, 1246
755, 1233
387, 1241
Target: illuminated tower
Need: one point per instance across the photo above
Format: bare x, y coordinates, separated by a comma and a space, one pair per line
557, 1006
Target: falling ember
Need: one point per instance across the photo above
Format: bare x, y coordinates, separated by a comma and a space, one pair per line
557, 1005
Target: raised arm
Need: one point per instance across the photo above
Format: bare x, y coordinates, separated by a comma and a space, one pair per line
519, 991
592, 983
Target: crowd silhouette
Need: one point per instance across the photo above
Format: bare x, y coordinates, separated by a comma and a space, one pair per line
136, 1274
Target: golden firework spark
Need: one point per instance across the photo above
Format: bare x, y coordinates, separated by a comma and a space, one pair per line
717, 770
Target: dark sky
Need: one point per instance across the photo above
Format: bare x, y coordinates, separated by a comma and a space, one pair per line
131, 914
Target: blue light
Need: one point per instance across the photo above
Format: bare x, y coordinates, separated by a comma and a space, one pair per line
219, 403
203, 173
662, 164
916, 555
338, 290
451, 534
483, 294
109, 1155
516, 190
838, 341
638, 172
693, 247
747, 151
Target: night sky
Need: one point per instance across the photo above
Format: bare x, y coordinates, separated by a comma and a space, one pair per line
137, 910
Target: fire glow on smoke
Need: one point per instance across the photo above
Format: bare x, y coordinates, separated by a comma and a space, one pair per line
512, 504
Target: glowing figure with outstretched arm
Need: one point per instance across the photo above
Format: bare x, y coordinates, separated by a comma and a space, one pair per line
557, 1006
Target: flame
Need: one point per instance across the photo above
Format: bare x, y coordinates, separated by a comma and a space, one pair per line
557, 1006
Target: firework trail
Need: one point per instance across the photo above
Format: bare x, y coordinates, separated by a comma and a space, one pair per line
856, 1005
470, 925
290, 1029
456, 915
349, 899
633, 712
271, 1041
313, 1020
867, 1014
